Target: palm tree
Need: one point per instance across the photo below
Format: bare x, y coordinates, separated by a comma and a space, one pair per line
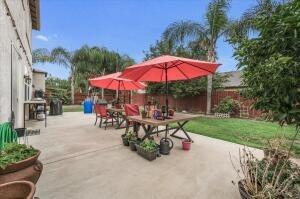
59, 56
203, 36
243, 27
84, 62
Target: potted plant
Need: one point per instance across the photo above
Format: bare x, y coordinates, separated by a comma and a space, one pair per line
148, 149
144, 114
126, 137
19, 161
266, 178
134, 140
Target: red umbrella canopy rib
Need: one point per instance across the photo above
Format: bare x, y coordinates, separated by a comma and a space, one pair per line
114, 82
176, 68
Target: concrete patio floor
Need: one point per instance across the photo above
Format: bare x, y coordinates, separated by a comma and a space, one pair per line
84, 161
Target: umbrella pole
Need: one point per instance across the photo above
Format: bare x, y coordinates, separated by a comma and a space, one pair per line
167, 92
167, 101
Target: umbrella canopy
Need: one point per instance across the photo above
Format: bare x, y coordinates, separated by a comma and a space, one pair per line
114, 82
169, 68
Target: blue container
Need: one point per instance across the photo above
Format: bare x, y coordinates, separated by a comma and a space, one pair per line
87, 106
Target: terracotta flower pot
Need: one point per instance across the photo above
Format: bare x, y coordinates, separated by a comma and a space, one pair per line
17, 189
20, 165
31, 173
186, 144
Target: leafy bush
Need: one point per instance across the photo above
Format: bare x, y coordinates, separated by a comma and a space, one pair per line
227, 105
148, 145
14, 152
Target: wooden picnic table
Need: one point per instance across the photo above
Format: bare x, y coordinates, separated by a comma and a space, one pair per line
150, 124
117, 113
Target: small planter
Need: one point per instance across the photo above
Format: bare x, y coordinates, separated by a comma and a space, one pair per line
149, 155
144, 114
125, 140
17, 189
222, 115
242, 190
20, 165
186, 144
132, 145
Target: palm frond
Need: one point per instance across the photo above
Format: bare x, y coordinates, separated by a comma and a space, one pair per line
184, 32
61, 56
40, 55
217, 19
243, 27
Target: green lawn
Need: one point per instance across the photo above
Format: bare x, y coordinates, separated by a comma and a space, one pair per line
73, 108
249, 132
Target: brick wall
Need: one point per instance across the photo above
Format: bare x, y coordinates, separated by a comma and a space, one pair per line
197, 103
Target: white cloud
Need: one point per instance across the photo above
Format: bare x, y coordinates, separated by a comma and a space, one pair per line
42, 37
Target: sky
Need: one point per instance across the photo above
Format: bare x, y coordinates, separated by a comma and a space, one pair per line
126, 26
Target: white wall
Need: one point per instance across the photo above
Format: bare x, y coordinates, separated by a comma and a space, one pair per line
21, 57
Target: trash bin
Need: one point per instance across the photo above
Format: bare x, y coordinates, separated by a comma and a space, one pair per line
88, 106
56, 107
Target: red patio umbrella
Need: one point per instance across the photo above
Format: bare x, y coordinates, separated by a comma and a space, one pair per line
114, 82
169, 68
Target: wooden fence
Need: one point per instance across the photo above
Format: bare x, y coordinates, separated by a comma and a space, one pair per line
198, 103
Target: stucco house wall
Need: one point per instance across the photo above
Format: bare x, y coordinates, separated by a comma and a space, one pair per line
15, 55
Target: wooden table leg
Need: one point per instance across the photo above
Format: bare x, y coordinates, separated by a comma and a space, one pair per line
148, 131
180, 127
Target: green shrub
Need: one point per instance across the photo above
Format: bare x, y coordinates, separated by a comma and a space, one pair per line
227, 105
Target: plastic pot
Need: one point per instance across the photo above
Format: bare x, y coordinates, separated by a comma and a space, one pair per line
132, 145
186, 144
125, 140
149, 155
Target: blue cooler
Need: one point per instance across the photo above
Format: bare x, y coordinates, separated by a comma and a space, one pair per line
88, 106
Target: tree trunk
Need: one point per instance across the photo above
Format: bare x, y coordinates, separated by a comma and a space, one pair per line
211, 58
72, 88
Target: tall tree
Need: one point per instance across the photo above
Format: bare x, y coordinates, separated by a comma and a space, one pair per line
84, 62
59, 56
202, 36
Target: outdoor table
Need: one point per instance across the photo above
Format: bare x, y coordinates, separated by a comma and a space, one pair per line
36, 102
118, 116
150, 124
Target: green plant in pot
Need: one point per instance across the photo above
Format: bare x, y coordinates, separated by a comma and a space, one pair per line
126, 137
19, 162
134, 140
148, 149
144, 114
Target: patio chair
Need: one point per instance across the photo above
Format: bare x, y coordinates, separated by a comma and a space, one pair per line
103, 114
131, 110
98, 114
